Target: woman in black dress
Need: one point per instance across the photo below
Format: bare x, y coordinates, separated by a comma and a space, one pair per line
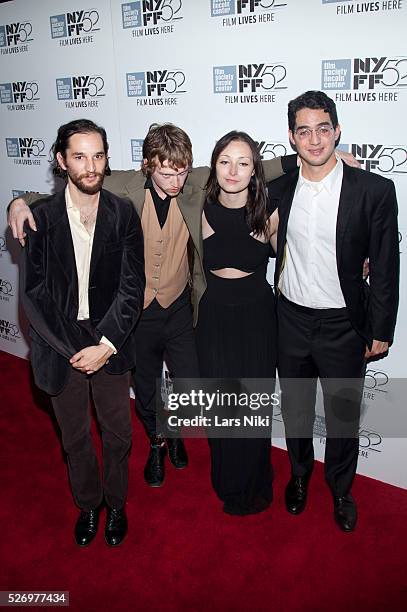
236, 331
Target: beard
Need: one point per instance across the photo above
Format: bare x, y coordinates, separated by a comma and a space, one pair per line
79, 180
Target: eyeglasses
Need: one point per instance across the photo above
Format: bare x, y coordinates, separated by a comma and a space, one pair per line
322, 131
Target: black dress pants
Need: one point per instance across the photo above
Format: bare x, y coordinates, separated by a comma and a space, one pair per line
312, 344
163, 333
110, 394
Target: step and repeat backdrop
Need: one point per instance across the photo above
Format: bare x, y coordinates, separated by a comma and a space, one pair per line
209, 66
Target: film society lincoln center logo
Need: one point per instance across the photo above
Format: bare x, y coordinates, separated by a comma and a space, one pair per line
14, 37
156, 87
19, 95
151, 17
250, 83
136, 147
365, 79
245, 12
26, 151
75, 28
81, 91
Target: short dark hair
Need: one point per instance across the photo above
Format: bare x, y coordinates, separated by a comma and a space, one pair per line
256, 206
78, 126
314, 100
166, 142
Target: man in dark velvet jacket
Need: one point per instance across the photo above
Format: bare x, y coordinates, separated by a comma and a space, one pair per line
82, 288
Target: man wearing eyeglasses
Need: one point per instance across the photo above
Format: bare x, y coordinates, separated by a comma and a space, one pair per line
331, 217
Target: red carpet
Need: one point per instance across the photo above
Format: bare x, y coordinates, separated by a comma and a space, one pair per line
182, 552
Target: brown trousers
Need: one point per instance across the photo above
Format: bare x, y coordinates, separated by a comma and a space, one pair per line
110, 395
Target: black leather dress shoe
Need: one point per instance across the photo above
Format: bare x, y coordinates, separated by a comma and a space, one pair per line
86, 526
154, 470
296, 493
116, 526
177, 453
345, 512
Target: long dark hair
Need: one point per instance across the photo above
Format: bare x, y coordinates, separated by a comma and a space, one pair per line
256, 206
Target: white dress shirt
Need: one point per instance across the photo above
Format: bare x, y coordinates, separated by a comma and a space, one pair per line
82, 244
310, 274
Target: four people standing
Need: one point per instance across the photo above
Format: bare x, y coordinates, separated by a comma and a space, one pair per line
236, 325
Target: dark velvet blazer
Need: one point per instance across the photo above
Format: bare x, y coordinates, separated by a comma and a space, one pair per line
49, 287
366, 227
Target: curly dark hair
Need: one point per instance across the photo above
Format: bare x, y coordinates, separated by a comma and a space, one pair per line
315, 100
78, 126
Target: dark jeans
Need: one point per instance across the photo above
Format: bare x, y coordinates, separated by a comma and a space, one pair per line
110, 394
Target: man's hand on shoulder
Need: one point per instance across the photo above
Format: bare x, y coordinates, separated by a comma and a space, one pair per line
378, 348
90, 359
18, 214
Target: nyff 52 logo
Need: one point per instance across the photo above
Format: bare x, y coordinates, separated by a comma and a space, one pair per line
80, 87
25, 147
75, 23
6, 288
155, 83
13, 34
390, 159
364, 73
249, 78
150, 12
239, 7
270, 150
19, 92
9, 331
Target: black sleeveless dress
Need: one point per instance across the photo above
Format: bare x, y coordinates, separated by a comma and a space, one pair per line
236, 338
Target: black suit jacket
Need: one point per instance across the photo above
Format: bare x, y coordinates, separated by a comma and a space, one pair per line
366, 227
49, 287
